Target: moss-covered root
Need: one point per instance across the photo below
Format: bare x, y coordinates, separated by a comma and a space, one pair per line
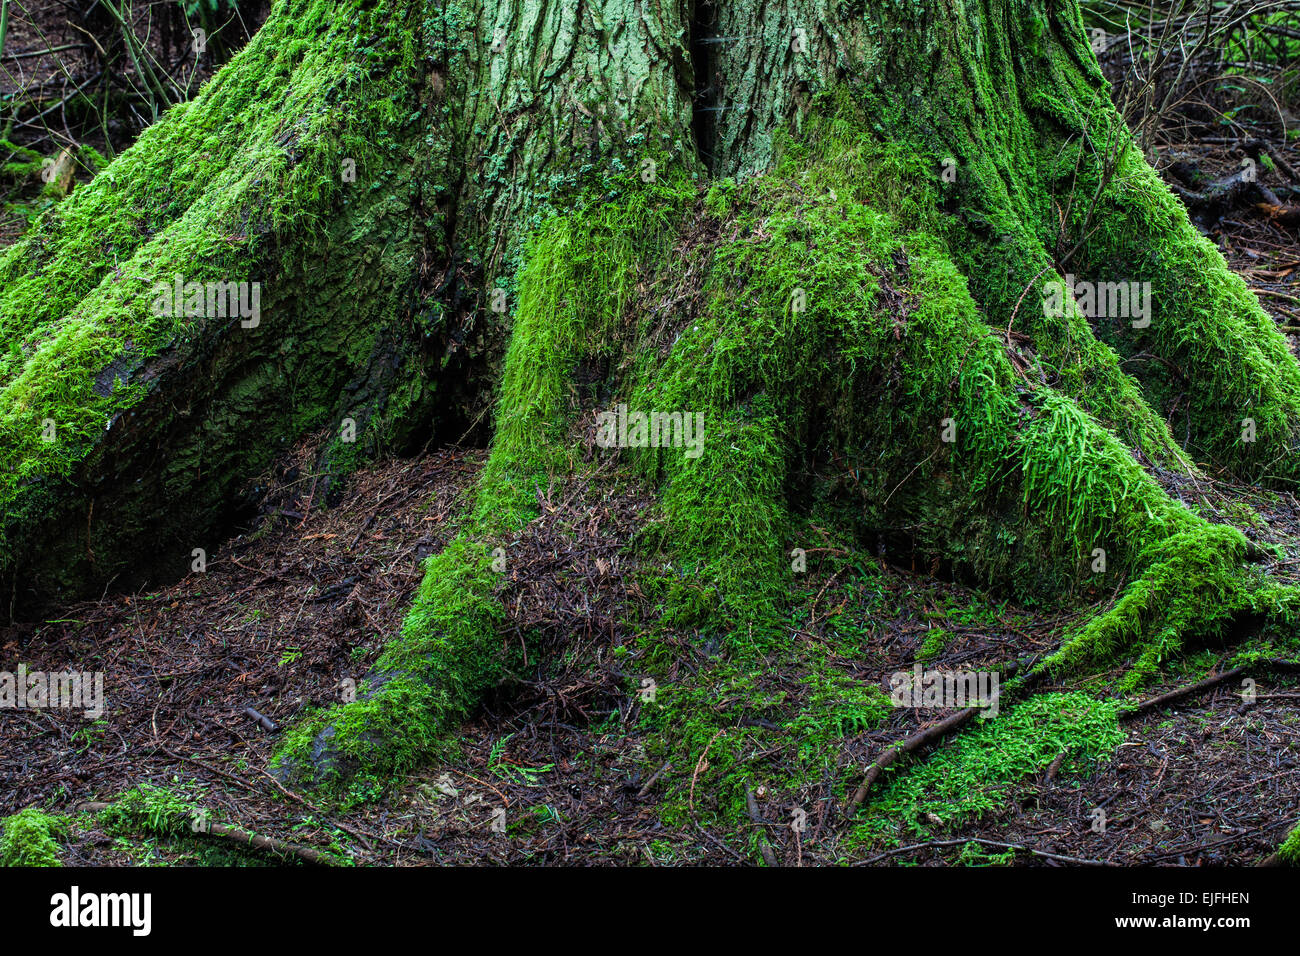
830, 333
234, 279
1208, 353
31, 838
575, 283
826, 334
427, 680
1194, 582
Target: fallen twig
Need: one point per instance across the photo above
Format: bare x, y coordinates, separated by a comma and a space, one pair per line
266, 723
1191, 689
914, 742
1080, 861
757, 817
922, 738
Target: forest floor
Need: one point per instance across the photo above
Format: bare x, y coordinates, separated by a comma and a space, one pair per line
299, 603
283, 615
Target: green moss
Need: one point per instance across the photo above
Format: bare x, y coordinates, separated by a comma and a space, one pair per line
31, 838
1206, 326
161, 825
571, 292
1289, 851
972, 775
836, 707
700, 724
936, 641
429, 678
241, 184
1193, 583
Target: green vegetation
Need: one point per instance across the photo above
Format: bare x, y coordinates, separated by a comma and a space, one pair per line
31, 838
1289, 851
448, 653
826, 330
158, 811
856, 320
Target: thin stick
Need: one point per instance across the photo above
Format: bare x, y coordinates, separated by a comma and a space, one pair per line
1080, 861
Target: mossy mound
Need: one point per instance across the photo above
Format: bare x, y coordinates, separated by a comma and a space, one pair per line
31, 838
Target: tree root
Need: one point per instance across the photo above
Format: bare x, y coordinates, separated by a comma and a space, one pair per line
1179, 693
1078, 861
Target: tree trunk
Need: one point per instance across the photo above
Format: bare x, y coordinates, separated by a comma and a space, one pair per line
858, 211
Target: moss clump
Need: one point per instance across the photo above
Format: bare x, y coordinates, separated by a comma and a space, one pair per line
31, 838
972, 775
710, 726
837, 707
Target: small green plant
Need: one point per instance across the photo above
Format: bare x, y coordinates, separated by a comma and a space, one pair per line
975, 854
154, 810
1289, 851
86, 737
936, 640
